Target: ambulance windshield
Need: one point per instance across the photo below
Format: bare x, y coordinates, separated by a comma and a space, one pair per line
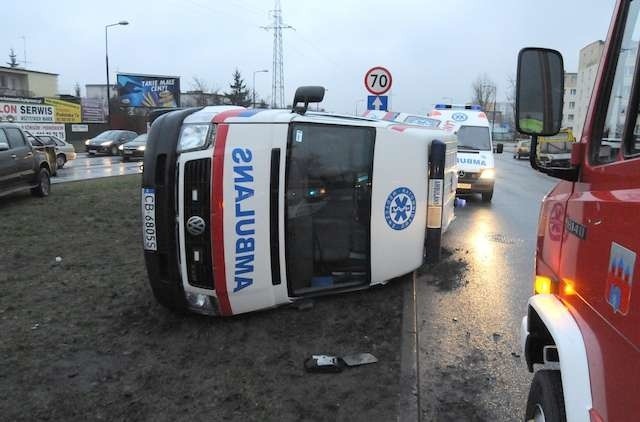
474, 138
328, 207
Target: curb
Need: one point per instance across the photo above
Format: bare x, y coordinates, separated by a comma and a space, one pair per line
409, 400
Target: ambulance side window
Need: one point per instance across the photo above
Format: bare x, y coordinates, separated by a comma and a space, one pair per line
607, 150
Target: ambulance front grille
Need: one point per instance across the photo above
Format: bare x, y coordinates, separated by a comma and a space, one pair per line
197, 210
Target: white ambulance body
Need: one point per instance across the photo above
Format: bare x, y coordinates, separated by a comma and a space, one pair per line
476, 167
258, 208
406, 118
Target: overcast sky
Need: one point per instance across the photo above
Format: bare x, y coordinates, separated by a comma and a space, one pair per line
434, 48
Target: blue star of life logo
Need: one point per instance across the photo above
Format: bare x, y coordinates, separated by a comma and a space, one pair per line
400, 208
459, 117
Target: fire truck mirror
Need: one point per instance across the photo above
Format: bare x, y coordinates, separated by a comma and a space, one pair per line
539, 91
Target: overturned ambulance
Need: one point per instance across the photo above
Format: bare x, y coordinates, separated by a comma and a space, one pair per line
249, 209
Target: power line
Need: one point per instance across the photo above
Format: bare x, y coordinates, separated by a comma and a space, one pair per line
277, 76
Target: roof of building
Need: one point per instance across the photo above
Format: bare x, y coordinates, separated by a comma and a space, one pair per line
21, 70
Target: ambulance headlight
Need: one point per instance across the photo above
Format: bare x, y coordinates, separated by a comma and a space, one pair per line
488, 174
193, 137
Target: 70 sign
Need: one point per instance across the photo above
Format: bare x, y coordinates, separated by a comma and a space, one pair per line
378, 80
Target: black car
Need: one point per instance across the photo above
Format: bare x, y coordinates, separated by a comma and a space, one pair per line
22, 166
108, 142
135, 148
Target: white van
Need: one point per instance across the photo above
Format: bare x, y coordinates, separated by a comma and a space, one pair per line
250, 209
476, 168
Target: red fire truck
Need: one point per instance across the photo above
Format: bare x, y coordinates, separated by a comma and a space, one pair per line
582, 329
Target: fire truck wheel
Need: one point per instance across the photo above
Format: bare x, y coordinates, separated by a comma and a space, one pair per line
486, 196
546, 401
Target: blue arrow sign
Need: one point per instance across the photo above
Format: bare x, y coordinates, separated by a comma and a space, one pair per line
378, 102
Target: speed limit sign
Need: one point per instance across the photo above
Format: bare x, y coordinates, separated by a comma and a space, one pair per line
377, 80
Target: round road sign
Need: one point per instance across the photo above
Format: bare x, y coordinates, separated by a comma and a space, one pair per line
377, 80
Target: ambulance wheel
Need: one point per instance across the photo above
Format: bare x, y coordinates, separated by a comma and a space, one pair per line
546, 401
486, 196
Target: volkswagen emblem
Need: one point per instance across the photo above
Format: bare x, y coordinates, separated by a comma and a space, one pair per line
461, 173
195, 225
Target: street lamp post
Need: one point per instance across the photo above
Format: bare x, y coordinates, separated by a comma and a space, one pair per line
358, 102
253, 104
106, 58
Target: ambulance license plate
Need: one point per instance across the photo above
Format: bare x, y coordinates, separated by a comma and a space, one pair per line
464, 185
149, 219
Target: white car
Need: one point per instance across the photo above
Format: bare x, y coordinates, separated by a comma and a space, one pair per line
64, 150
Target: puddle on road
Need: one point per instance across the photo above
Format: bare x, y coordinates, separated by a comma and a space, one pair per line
446, 275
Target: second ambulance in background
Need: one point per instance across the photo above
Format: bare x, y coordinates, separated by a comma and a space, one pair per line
476, 167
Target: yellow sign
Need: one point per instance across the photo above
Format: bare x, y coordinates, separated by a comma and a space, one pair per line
65, 111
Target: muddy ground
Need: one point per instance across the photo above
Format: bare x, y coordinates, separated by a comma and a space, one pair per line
83, 339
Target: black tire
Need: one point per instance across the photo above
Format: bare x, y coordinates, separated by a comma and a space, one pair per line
487, 196
61, 160
170, 296
545, 395
114, 150
125, 159
44, 184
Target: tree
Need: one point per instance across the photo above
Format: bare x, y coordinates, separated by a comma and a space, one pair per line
239, 94
483, 92
511, 100
13, 59
200, 86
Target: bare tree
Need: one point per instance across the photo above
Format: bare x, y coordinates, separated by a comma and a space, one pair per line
200, 86
511, 101
483, 92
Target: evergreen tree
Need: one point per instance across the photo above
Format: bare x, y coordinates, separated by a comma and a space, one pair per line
239, 94
13, 59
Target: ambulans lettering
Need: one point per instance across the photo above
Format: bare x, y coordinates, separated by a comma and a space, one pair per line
245, 218
472, 161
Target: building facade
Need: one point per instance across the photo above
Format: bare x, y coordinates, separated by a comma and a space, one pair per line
570, 97
18, 82
587, 71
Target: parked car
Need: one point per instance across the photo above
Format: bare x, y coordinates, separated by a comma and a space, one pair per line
108, 142
48, 150
64, 150
134, 149
522, 149
22, 166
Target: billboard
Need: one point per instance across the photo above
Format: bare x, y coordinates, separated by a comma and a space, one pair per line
148, 91
94, 110
37, 129
65, 111
26, 112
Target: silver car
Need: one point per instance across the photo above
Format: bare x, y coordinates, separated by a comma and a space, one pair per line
64, 150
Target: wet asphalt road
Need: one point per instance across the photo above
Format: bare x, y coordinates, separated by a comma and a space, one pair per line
85, 167
469, 315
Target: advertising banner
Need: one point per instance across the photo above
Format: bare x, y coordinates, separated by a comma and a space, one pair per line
65, 111
93, 110
37, 129
148, 91
25, 112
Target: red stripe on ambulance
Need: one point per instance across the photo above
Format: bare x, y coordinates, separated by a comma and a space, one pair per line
217, 218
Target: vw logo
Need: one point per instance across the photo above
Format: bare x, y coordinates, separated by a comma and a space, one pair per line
400, 208
461, 173
195, 225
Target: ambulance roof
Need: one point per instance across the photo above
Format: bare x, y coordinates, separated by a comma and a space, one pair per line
234, 114
460, 115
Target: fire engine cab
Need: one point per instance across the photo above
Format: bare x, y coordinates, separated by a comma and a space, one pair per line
249, 209
581, 332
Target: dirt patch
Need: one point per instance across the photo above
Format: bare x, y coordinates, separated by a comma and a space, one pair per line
447, 274
83, 338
